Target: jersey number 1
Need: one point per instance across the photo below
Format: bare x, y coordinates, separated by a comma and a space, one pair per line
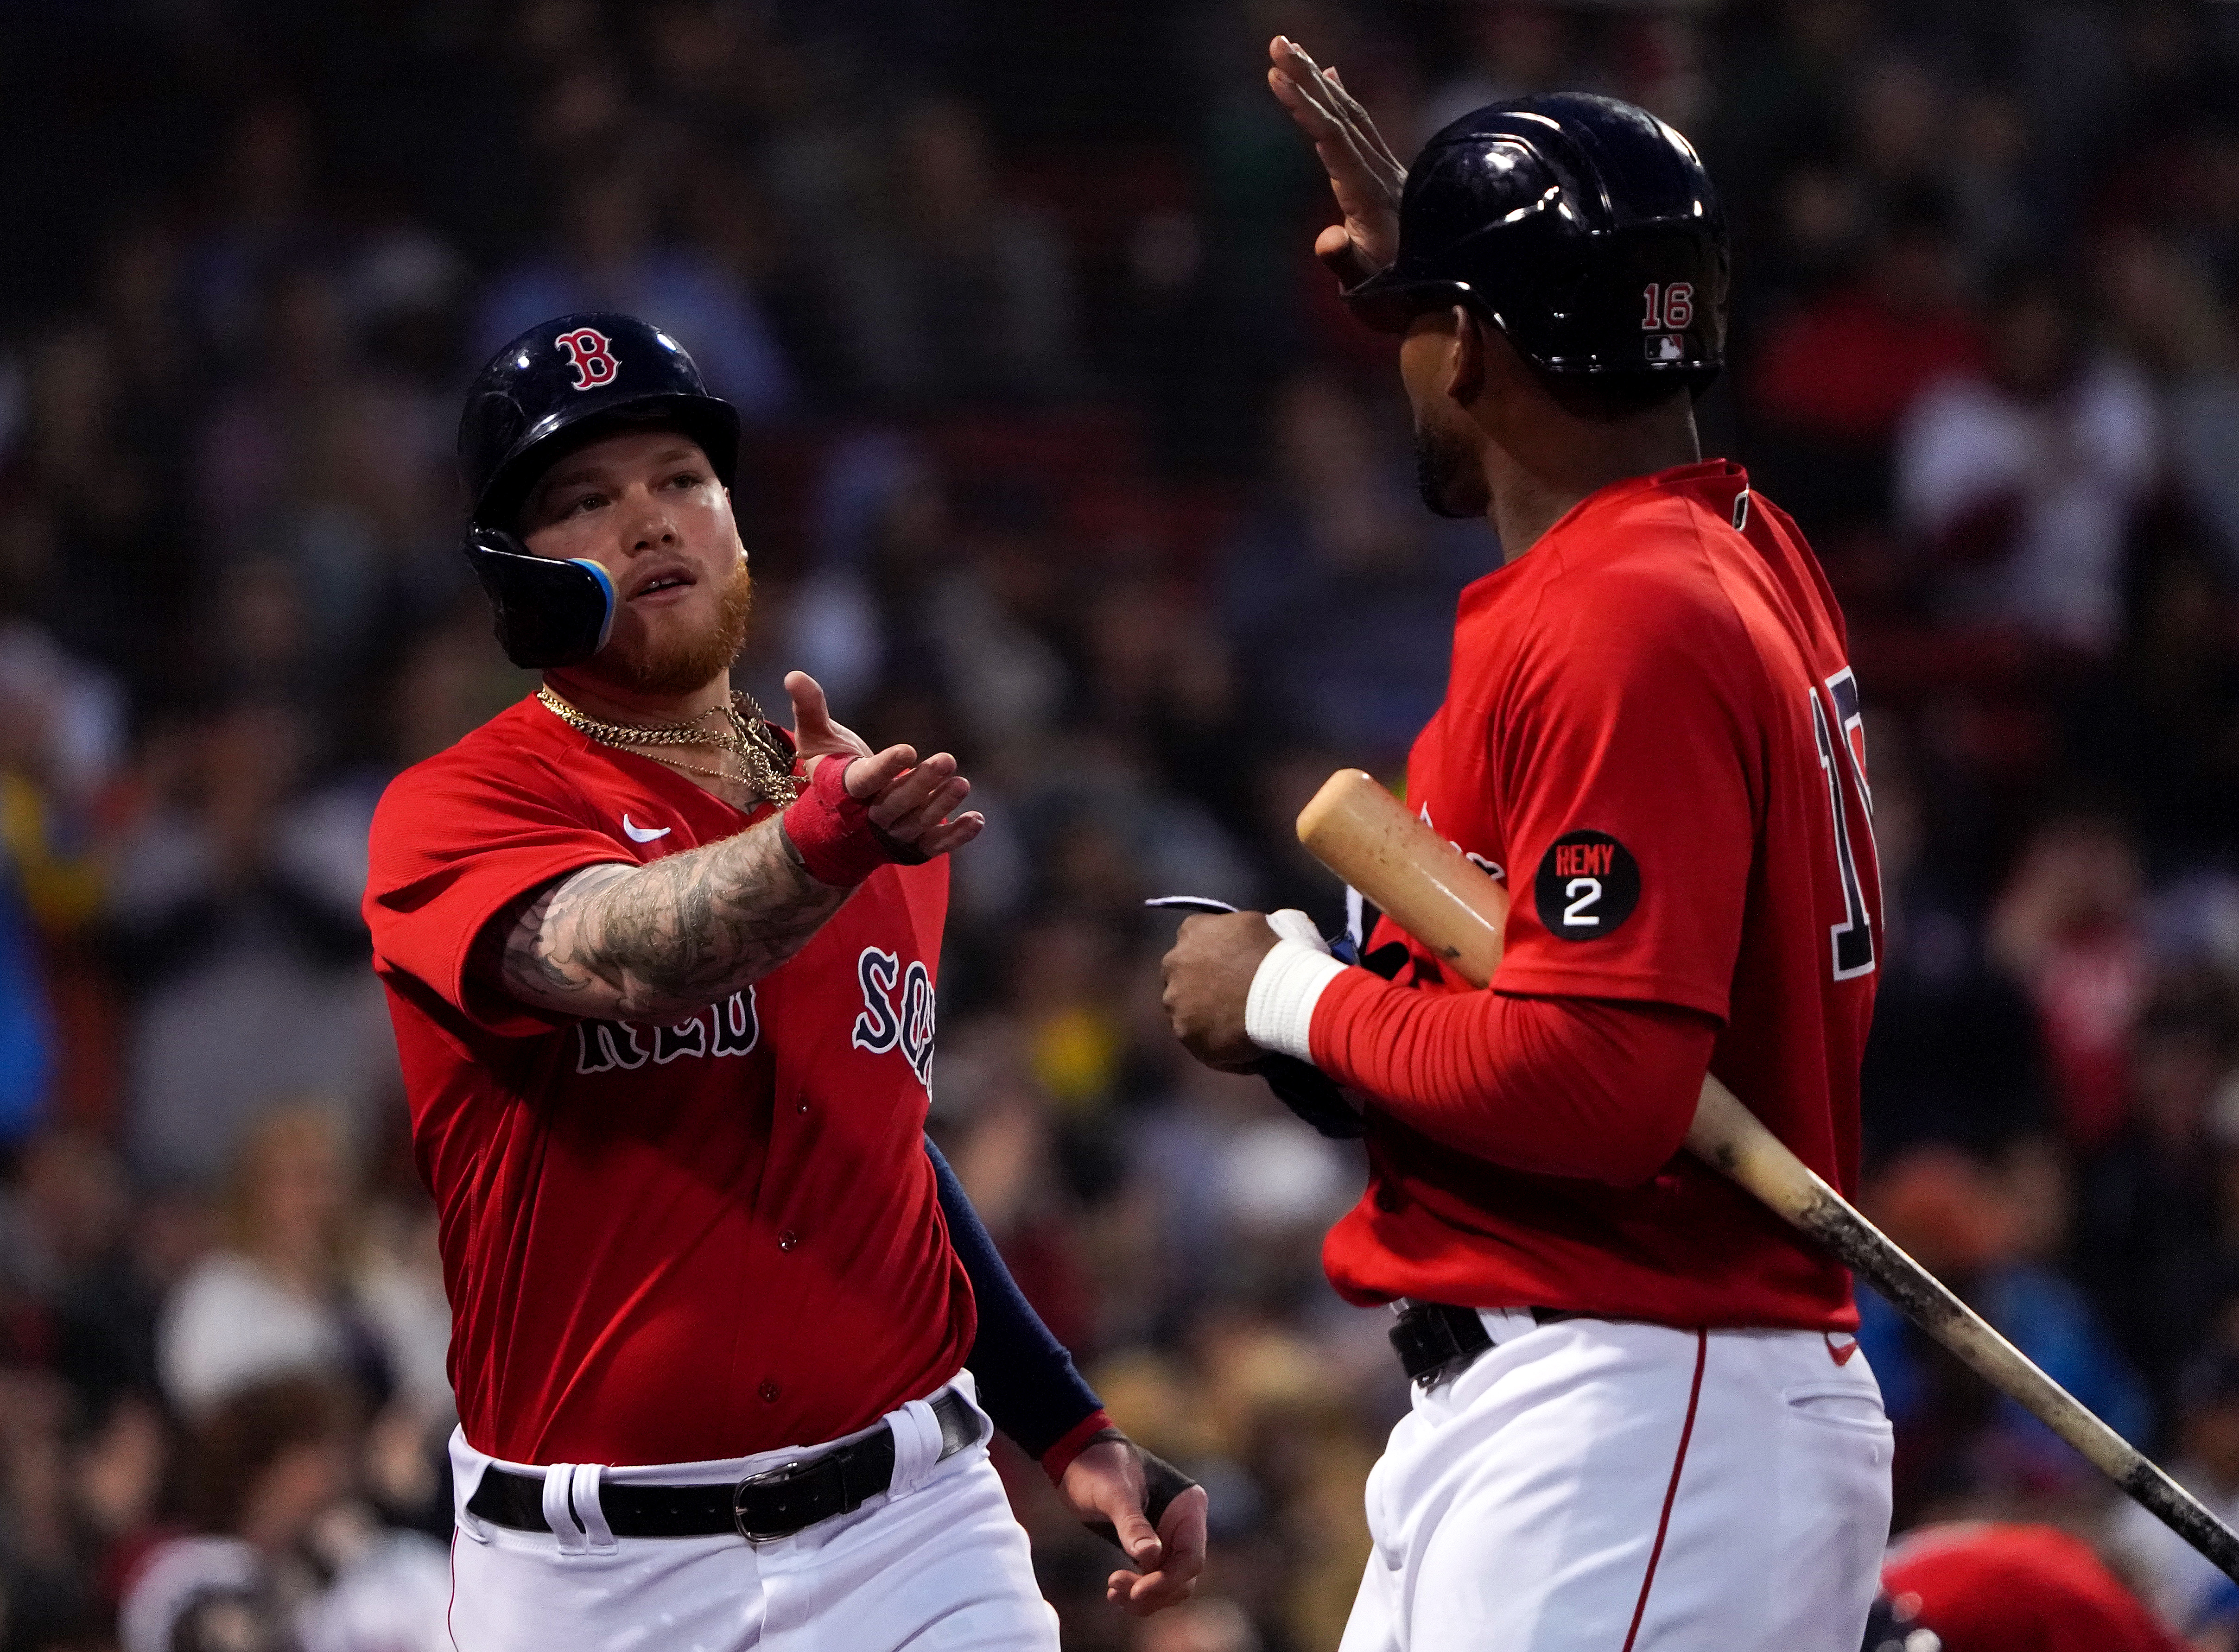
1842, 762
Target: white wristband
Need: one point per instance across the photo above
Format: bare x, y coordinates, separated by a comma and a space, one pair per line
1285, 989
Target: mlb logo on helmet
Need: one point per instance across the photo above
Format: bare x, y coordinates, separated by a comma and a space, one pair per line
1665, 346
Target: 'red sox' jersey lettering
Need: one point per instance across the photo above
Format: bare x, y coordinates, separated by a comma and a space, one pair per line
895, 1019
730, 1028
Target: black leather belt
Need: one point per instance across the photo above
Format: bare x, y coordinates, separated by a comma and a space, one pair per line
761, 1507
1437, 1340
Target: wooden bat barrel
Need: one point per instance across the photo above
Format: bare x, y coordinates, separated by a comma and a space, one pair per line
1427, 886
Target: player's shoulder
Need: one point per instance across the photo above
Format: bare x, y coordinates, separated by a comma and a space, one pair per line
514, 749
1647, 565
1685, 551
1643, 590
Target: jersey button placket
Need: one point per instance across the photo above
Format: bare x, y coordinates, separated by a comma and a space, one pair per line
786, 1241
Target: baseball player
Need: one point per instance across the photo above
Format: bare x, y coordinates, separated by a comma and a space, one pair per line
662, 980
1639, 1418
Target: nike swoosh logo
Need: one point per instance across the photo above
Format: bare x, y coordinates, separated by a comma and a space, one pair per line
1841, 1355
644, 834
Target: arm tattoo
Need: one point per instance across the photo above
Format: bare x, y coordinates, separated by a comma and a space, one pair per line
662, 939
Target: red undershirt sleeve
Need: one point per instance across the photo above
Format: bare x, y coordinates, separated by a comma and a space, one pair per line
1573, 1087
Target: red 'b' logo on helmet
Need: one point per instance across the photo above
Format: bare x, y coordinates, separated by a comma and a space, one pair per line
591, 354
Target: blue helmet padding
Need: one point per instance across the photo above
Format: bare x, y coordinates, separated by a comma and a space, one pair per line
606, 585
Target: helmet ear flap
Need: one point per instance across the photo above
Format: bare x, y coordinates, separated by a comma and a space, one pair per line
549, 612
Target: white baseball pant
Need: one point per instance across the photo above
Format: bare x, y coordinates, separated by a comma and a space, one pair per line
937, 1563
1594, 1485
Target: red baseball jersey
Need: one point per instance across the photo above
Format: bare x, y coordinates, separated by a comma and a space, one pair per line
1650, 733
662, 1243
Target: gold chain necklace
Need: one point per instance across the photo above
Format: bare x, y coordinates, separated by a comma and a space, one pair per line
749, 737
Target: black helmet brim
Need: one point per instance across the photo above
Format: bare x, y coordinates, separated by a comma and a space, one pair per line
1390, 301
713, 424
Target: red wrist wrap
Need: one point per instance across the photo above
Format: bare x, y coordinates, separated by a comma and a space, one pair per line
838, 844
1074, 1441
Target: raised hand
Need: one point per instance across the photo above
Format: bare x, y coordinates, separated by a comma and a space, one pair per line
1363, 173
910, 801
814, 735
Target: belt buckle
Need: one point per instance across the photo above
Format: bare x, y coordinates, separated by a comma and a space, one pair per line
778, 1475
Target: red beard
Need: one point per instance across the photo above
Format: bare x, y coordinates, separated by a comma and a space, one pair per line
692, 662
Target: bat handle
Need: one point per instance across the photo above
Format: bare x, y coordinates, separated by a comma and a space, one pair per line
2183, 1513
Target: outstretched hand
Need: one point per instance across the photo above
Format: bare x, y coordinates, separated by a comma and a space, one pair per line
910, 801
1363, 173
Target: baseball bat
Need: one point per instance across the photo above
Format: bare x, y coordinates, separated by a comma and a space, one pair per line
1363, 833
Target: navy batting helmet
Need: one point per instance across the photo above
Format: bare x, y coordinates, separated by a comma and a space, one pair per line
1584, 228
557, 385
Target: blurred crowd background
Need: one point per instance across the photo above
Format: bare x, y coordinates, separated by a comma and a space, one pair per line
1061, 455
